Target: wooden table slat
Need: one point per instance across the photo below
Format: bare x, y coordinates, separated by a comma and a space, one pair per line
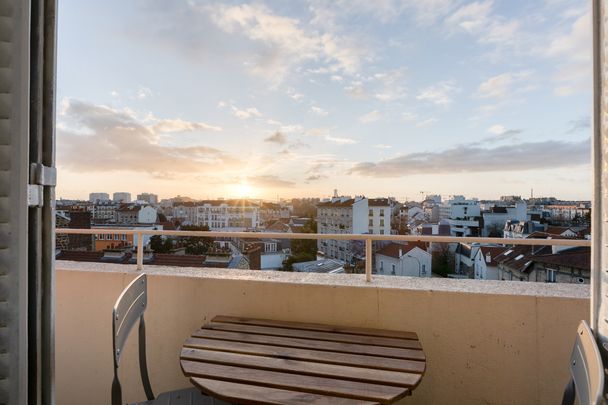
303, 383
371, 362
256, 395
318, 327
303, 367
313, 344
317, 335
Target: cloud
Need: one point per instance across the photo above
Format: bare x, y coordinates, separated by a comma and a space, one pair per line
277, 138
382, 146
503, 85
573, 50
270, 181
426, 123
473, 159
284, 42
97, 138
325, 134
440, 93
316, 177
409, 117
143, 93
245, 113
318, 111
580, 124
502, 131
179, 125
370, 117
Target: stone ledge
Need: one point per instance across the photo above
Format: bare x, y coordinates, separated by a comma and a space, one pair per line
517, 288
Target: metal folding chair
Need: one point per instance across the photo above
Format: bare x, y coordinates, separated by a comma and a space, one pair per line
129, 308
586, 369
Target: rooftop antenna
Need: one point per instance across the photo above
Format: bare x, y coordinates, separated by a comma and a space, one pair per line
531, 193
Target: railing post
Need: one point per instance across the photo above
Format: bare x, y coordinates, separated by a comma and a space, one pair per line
368, 260
140, 251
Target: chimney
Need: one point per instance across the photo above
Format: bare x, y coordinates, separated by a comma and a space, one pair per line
400, 253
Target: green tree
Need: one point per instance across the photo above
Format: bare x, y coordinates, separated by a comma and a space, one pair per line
196, 245
302, 250
160, 245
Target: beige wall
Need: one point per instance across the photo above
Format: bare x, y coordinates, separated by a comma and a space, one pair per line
481, 348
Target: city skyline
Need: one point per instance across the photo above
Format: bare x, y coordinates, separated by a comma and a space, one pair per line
230, 99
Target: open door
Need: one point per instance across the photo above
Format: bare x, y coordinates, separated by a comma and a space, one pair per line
27, 180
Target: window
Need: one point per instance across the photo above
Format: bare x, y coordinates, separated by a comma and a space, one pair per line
381, 265
371, 213
393, 269
551, 275
381, 231
381, 212
382, 222
371, 222
424, 269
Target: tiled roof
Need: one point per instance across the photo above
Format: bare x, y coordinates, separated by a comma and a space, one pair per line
578, 257
520, 258
345, 203
493, 251
378, 202
392, 249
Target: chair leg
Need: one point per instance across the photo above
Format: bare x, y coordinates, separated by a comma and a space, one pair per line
569, 393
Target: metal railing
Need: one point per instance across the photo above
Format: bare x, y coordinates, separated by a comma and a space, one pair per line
368, 238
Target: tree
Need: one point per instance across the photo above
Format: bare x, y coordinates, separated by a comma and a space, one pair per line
160, 245
196, 245
302, 250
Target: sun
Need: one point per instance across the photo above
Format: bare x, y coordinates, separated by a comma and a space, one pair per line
243, 190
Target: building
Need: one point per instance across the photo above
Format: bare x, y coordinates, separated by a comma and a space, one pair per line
104, 211
235, 215
477, 261
496, 217
99, 197
329, 266
404, 259
342, 215
379, 216
464, 216
121, 197
148, 198
272, 212
546, 264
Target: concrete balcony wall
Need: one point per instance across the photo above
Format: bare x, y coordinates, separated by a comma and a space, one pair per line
486, 342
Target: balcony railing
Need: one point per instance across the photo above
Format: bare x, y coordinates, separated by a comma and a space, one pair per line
368, 238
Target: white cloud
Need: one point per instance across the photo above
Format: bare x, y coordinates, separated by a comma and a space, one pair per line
99, 138
409, 117
382, 146
286, 43
340, 141
440, 93
179, 125
497, 129
318, 111
503, 85
426, 123
143, 93
324, 133
370, 117
245, 113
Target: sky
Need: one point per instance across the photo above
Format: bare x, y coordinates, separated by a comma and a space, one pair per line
275, 99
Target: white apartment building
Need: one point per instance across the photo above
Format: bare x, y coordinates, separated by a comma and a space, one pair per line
148, 198
495, 219
99, 197
123, 197
235, 215
379, 216
104, 212
464, 216
342, 215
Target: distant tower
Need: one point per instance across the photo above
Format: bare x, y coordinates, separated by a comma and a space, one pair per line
335, 193
531, 193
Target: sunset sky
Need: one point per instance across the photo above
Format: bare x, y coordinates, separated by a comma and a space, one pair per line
294, 99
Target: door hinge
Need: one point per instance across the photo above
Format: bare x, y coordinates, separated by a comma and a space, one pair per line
40, 176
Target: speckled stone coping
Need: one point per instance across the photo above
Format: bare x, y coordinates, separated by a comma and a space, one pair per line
559, 290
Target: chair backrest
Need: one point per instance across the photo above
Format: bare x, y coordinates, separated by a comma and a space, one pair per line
129, 308
586, 367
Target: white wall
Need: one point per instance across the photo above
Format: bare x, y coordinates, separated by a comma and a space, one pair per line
360, 216
406, 266
147, 215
